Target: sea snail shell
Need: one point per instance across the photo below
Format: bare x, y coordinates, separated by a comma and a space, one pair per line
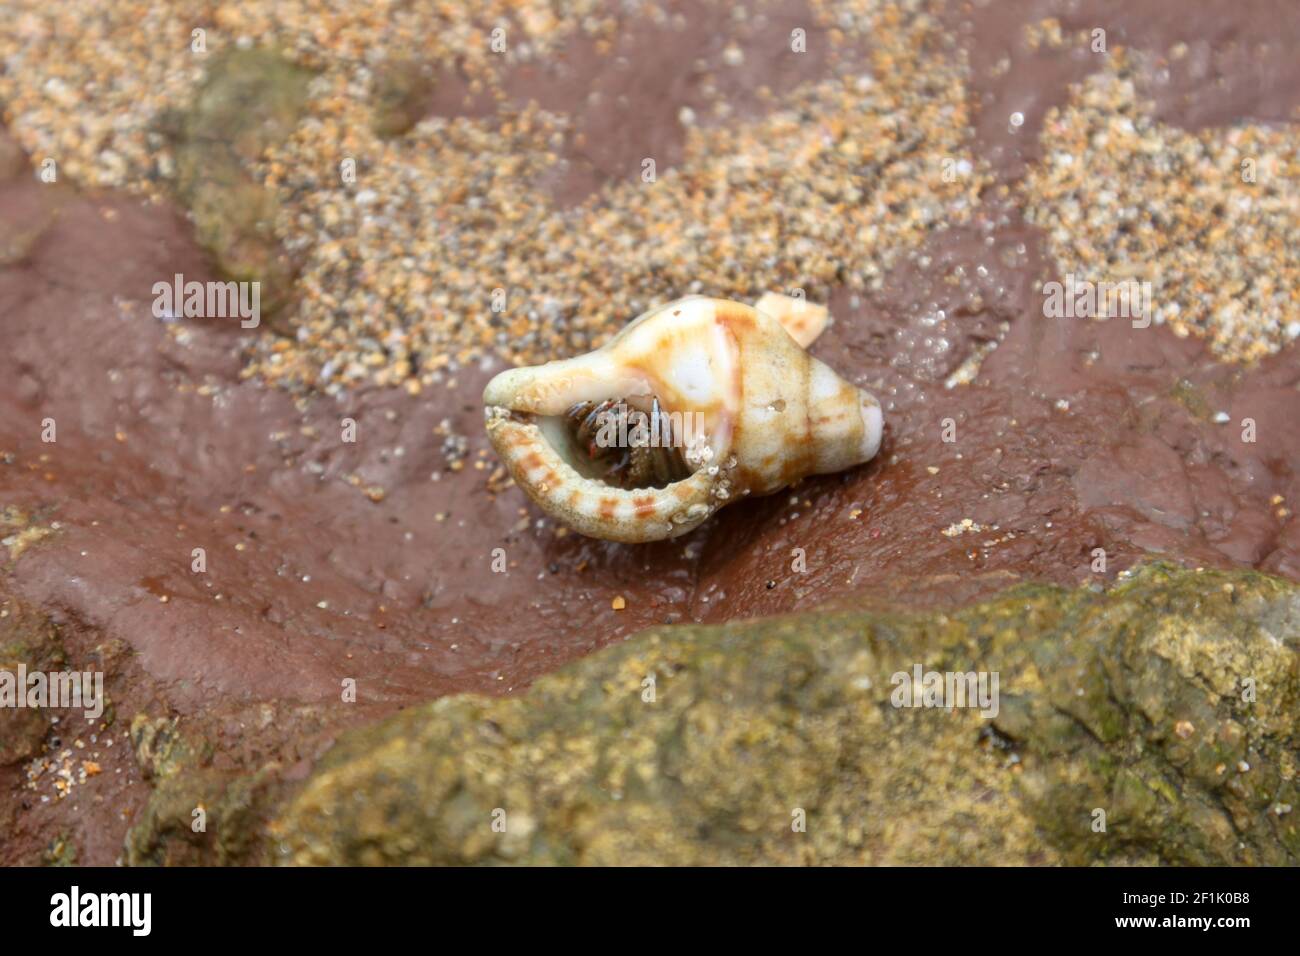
751, 413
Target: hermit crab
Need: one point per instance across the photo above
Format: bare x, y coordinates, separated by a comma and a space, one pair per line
694, 405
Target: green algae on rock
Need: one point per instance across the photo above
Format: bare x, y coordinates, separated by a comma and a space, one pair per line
250, 101
187, 788
30, 641
1168, 703
204, 816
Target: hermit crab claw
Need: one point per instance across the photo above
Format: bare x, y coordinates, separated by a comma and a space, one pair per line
693, 405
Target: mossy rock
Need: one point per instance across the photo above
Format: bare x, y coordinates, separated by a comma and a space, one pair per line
249, 101
205, 816
29, 639
1169, 703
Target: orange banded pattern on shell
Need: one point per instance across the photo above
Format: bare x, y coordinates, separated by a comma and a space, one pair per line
588, 506
772, 414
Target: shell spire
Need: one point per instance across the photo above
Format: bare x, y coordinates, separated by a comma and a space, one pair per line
693, 405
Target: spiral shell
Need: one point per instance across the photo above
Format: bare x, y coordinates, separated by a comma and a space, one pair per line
748, 411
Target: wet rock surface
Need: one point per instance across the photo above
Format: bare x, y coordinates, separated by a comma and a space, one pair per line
369, 561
